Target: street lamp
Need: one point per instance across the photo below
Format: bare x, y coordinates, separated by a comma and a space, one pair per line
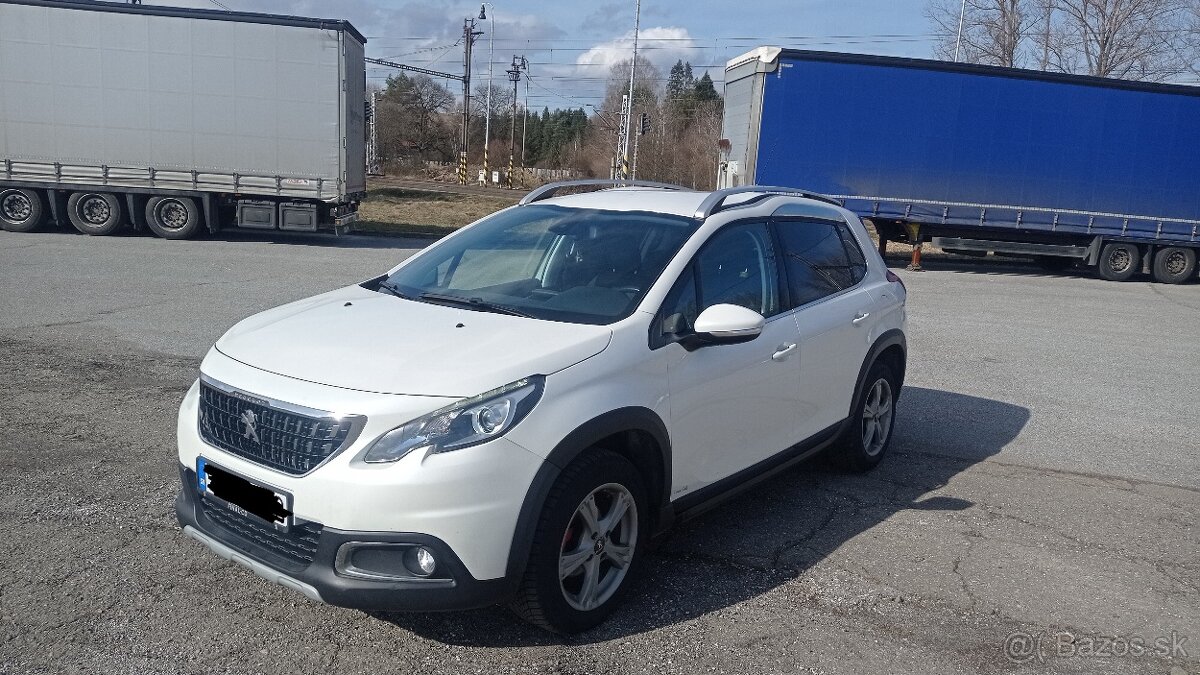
487, 120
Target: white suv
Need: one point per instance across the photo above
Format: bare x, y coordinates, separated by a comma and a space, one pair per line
510, 414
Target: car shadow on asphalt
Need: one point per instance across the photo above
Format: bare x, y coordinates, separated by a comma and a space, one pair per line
774, 533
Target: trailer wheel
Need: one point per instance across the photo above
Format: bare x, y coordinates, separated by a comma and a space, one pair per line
1174, 264
1119, 261
95, 213
20, 210
173, 217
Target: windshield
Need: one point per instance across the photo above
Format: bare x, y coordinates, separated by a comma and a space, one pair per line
548, 262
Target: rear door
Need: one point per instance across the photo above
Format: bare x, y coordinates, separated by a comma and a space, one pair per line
825, 269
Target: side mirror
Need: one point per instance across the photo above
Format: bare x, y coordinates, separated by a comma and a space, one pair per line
725, 324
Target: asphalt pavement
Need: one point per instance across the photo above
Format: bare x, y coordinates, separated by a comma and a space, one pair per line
1037, 513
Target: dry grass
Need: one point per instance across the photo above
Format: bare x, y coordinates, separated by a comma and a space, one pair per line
404, 211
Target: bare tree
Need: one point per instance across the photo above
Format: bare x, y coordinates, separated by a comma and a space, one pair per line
1129, 39
993, 31
412, 120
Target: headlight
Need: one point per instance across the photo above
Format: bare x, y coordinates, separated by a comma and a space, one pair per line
468, 422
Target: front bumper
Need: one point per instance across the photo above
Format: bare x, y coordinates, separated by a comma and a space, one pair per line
306, 560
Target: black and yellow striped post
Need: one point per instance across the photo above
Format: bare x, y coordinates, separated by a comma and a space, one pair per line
462, 168
510, 172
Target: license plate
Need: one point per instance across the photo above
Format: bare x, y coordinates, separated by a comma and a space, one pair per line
243, 496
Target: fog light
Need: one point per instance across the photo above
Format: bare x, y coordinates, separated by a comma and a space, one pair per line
421, 561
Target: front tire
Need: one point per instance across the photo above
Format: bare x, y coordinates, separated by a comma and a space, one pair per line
173, 217
20, 210
869, 434
1174, 264
94, 213
588, 543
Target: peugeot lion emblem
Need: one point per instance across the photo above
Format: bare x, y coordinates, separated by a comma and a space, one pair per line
250, 425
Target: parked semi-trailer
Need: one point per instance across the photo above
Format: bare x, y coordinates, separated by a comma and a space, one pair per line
1063, 168
177, 120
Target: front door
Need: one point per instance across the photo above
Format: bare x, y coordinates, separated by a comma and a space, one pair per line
732, 405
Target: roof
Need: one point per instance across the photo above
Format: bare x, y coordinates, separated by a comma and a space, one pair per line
657, 200
189, 13
772, 54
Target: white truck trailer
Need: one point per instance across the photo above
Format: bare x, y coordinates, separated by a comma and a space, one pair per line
178, 120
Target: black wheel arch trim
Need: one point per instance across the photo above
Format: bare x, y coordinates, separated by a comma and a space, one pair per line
587, 435
890, 338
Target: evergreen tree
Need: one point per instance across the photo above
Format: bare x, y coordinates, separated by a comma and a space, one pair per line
704, 90
675, 82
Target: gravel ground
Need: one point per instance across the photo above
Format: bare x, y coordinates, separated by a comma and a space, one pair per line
1043, 481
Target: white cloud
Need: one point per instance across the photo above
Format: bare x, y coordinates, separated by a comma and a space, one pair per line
666, 45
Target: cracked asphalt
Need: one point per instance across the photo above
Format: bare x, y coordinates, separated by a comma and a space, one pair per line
1044, 481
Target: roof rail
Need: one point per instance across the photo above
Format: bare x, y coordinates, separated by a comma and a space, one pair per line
547, 191
715, 202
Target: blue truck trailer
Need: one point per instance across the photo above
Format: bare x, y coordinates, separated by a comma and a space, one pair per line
1066, 169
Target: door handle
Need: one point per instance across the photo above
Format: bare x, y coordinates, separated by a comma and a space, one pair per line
784, 351
860, 317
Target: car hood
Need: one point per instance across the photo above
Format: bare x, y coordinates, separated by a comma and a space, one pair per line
367, 341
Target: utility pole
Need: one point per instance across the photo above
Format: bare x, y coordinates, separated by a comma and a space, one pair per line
627, 110
1046, 36
514, 75
962, 14
469, 35
620, 167
372, 139
487, 120
525, 120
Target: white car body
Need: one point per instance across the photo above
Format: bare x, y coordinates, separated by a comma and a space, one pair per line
724, 412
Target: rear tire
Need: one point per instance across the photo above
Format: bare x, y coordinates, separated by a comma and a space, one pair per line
173, 217
94, 213
588, 544
1174, 264
1119, 261
21, 210
869, 434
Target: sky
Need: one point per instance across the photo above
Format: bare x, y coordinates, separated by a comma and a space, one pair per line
570, 45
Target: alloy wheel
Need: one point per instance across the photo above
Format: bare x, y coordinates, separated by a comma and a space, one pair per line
598, 547
877, 416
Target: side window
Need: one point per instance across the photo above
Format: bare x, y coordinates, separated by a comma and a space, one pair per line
816, 260
858, 261
737, 267
681, 306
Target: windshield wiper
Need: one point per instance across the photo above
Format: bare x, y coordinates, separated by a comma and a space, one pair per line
474, 303
393, 290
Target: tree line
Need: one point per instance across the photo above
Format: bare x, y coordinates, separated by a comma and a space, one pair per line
419, 120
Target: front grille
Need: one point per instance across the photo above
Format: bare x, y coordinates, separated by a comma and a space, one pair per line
283, 440
296, 548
